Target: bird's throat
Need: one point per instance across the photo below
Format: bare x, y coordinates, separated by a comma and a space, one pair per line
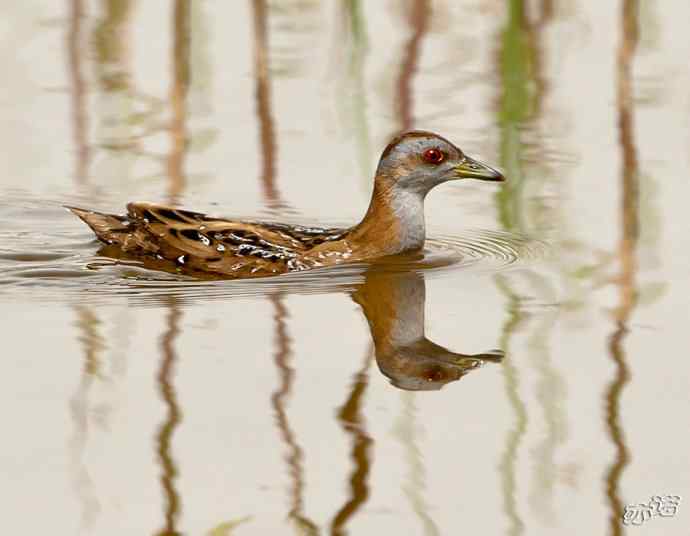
394, 222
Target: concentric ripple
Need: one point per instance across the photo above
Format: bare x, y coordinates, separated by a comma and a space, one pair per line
497, 248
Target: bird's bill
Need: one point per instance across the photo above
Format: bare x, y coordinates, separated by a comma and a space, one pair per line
474, 169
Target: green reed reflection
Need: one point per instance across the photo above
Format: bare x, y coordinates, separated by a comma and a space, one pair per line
550, 392
407, 431
115, 95
351, 94
521, 107
227, 528
508, 462
111, 48
516, 104
522, 88
110, 44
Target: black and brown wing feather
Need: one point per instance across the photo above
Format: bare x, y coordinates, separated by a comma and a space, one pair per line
200, 242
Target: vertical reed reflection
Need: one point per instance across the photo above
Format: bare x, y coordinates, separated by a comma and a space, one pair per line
418, 20
352, 421
173, 417
110, 45
88, 322
92, 343
507, 465
532, 85
271, 194
177, 182
294, 456
178, 98
549, 391
627, 246
516, 104
263, 103
351, 95
406, 431
80, 122
116, 118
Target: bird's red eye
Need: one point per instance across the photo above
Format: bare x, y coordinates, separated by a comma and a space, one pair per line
433, 156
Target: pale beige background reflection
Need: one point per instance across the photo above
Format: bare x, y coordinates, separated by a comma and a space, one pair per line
135, 416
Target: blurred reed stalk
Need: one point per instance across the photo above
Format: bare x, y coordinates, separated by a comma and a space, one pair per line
178, 98
172, 420
418, 20
262, 94
627, 249
78, 89
352, 421
294, 457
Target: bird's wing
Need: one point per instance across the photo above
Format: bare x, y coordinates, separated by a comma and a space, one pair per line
179, 232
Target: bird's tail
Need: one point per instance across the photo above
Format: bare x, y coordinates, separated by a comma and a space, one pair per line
108, 227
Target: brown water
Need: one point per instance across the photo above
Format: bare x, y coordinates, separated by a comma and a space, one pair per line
139, 402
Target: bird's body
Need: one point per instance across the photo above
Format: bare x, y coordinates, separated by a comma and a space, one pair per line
410, 166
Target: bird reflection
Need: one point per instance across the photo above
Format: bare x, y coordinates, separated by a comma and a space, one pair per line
393, 303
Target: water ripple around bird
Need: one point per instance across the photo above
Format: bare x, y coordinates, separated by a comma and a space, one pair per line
61, 265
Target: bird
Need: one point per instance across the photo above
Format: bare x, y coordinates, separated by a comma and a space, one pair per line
169, 238
393, 303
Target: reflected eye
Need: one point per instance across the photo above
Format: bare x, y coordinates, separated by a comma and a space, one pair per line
433, 156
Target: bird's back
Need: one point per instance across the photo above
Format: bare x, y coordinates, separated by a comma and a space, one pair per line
196, 241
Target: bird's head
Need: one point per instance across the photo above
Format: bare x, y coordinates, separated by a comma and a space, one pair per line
416, 161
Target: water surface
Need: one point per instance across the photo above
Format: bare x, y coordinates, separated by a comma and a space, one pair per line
527, 374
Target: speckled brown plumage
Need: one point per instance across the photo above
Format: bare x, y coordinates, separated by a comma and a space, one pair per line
195, 241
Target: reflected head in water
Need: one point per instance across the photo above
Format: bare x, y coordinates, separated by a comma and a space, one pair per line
393, 303
173, 239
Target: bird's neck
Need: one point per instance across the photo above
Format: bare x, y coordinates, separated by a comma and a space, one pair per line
393, 304
394, 222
